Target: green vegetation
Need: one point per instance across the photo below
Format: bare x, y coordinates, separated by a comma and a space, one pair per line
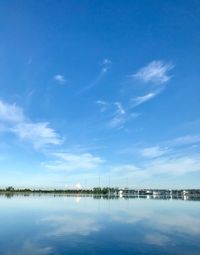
104, 191
96, 191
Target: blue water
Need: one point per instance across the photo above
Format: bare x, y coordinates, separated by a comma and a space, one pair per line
38, 225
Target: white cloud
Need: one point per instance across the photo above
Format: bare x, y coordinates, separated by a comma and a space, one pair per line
104, 105
10, 112
119, 117
125, 169
152, 152
142, 99
117, 121
106, 61
185, 140
13, 119
39, 134
171, 166
177, 165
155, 72
130, 171
72, 162
105, 66
170, 159
60, 78
120, 109
116, 113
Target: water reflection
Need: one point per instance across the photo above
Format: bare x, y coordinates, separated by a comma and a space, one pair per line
70, 225
78, 197
98, 225
157, 239
29, 248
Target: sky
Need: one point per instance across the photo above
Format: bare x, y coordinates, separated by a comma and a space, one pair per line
100, 93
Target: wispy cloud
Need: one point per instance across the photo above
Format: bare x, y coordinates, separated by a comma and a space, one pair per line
182, 145
142, 99
157, 239
153, 152
125, 169
120, 116
39, 134
166, 165
103, 105
64, 225
120, 108
156, 72
184, 140
13, 119
105, 66
117, 115
10, 112
174, 165
60, 78
29, 247
73, 162
119, 120
172, 158
174, 221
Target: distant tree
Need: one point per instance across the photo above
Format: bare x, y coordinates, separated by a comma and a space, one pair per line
10, 188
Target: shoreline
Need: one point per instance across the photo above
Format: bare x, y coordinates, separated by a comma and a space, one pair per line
108, 193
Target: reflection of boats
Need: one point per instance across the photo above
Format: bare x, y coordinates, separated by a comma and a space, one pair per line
159, 193
114, 192
185, 195
155, 194
121, 193
77, 199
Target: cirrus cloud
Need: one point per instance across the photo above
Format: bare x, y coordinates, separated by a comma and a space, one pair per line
65, 161
39, 134
60, 78
156, 72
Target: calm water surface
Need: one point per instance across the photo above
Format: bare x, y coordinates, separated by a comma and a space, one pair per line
72, 225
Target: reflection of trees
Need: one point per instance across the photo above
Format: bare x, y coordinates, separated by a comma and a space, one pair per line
109, 193
9, 194
97, 196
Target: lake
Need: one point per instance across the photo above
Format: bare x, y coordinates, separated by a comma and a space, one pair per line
60, 225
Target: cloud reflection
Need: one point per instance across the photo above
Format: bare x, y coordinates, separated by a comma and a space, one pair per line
30, 248
62, 225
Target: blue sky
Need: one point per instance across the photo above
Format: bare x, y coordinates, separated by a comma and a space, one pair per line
100, 88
